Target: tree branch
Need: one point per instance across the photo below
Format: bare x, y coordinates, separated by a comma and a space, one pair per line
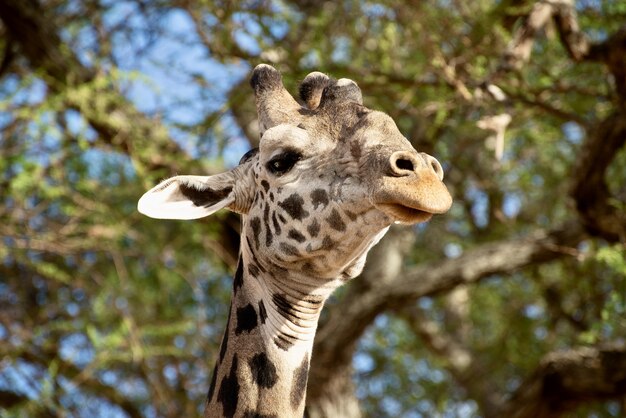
119, 124
9, 399
612, 53
330, 382
500, 257
598, 209
337, 337
468, 370
519, 49
601, 212
85, 381
568, 378
573, 39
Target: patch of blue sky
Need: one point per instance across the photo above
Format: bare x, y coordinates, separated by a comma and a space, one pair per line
7, 261
247, 32
599, 34
166, 88
76, 348
72, 309
246, 41
11, 85
37, 224
197, 378
89, 258
392, 407
249, 23
24, 92
533, 311
121, 303
341, 49
190, 60
480, 205
377, 10
42, 136
589, 4
237, 144
573, 132
311, 59
423, 368
171, 375
86, 405
615, 408
109, 377
421, 229
512, 384
132, 388
419, 371
425, 303
381, 321
126, 14
452, 250
455, 225
541, 333
78, 126
511, 205
180, 342
42, 132
72, 6
513, 200
15, 377
152, 83
107, 167
278, 28
165, 78
465, 409
160, 79
363, 362
369, 387
537, 180
85, 43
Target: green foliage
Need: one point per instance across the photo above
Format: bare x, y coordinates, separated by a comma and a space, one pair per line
102, 309
611, 322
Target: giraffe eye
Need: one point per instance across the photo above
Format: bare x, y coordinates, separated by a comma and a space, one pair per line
283, 162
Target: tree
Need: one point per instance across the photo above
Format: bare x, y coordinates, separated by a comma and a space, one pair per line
512, 304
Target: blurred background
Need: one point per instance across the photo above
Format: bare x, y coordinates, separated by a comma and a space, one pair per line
512, 304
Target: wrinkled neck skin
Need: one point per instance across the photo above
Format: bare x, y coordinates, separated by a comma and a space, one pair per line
263, 364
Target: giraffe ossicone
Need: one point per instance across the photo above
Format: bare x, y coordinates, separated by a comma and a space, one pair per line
328, 179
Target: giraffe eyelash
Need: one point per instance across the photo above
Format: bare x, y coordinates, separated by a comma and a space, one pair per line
283, 162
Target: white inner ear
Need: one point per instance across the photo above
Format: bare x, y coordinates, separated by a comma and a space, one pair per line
168, 200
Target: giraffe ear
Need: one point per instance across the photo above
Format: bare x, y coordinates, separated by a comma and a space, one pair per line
188, 197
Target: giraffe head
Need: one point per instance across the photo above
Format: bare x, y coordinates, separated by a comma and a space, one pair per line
324, 185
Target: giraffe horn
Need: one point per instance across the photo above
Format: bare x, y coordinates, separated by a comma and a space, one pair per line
341, 91
312, 87
274, 104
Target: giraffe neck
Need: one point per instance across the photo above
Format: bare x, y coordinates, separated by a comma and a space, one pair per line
263, 364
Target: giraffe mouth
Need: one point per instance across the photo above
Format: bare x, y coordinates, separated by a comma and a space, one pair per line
414, 198
405, 214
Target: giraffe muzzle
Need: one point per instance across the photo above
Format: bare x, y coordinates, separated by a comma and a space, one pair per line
412, 191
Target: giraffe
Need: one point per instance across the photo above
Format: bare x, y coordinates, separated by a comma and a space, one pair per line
327, 181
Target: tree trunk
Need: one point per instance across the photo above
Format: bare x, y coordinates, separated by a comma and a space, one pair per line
336, 397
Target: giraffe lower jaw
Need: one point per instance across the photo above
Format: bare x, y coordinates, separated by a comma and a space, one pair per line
405, 214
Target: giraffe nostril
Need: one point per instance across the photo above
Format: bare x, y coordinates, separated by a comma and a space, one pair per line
436, 167
404, 164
